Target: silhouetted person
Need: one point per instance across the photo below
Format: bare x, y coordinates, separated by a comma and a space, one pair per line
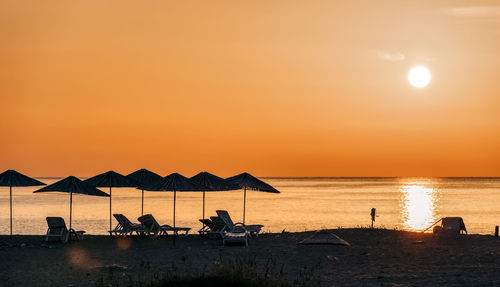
372, 213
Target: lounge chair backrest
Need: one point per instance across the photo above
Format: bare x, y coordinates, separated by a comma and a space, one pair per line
119, 218
224, 215
451, 223
126, 221
57, 228
208, 222
149, 222
219, 224
455, 224
55, 223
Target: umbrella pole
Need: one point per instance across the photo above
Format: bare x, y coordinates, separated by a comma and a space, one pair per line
142, 205
244, 202
110, 210
175, 197
203, 206
11, 211
70, 210
203, 225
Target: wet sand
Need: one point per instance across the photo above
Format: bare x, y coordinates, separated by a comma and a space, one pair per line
376, 258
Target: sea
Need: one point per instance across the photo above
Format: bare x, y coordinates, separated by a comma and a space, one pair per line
303, 204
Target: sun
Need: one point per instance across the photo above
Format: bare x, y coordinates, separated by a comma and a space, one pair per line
419, 76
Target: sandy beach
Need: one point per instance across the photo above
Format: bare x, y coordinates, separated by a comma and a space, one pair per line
369, 122
376, 257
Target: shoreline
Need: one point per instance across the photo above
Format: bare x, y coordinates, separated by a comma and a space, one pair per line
376, 257
337, 177
6, 237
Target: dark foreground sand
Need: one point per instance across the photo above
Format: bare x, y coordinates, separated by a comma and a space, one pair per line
376, 258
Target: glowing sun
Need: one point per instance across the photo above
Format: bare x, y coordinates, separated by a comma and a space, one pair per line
419, 76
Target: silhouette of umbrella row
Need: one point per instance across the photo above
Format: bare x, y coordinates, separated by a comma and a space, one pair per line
144, 180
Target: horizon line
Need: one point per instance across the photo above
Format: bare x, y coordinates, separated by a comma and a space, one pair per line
340, 177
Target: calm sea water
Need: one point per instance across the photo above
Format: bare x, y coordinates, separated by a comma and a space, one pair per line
304, 204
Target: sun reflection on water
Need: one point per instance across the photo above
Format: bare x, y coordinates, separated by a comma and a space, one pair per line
419, 206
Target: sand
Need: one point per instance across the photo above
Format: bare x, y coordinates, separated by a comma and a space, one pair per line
376, 258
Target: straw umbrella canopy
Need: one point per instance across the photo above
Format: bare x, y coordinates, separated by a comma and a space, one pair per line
248, 181
144, 177
12, 178
324, 237
210, 182
72, 185
110, 179
175, 182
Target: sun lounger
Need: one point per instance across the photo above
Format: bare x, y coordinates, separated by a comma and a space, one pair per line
125, 226
213, 228
57, 229
137, 227
153, 229
238, 234
150, 226
253, 230
450, 226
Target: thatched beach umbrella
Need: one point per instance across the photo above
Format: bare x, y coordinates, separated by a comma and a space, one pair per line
143, 178
72, 185
175, 182
210, 182
246, 180
110, 179
12, 178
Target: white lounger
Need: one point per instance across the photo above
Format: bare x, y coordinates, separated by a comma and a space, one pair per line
57, 229
153, 229
253, 229
125, 226
238, 234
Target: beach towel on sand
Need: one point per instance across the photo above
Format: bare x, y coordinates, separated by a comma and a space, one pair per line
323, 237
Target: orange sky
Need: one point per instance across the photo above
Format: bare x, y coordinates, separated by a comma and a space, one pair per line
276, 88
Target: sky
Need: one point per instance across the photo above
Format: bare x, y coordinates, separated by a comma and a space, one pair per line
275, 88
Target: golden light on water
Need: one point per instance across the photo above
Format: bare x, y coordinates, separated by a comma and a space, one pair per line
419, 204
